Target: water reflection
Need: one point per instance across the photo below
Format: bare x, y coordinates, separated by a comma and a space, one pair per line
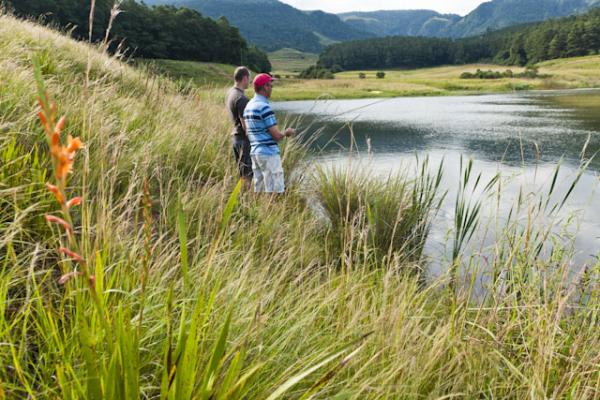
514, 129
521, 136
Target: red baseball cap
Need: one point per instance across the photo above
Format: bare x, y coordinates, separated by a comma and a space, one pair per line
262, 79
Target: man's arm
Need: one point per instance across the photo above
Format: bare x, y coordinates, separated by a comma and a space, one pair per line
268, 117
277, 135
241, 106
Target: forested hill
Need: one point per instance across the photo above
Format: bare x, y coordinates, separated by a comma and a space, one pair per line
499, 14
566, 37
489, 16
273, 25
165, 32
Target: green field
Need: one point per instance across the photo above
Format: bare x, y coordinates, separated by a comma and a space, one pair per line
291, 61
570, 73
161, 278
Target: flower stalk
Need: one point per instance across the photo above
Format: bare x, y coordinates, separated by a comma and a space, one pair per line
63, 157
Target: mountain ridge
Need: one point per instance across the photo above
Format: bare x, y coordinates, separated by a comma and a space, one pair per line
312, 31
308, 31
488, 16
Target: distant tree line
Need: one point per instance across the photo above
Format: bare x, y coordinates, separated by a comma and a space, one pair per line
522, 45
531, 72
150, 32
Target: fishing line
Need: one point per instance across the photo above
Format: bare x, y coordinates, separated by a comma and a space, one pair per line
366, 105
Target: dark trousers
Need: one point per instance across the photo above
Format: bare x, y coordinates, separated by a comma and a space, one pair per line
241, 152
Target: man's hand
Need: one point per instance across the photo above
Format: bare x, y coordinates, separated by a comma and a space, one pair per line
290, 132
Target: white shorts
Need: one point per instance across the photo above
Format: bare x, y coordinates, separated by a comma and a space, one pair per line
268, 173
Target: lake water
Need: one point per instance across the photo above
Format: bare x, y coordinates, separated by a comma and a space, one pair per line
522, 136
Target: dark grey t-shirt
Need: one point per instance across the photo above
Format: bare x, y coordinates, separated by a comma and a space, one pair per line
236, 102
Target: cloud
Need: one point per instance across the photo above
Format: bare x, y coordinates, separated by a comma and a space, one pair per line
461, 7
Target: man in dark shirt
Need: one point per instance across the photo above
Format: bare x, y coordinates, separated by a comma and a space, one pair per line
236, 102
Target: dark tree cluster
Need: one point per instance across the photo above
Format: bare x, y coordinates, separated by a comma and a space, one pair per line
531, 72
389, 52
150, 32
314, 72
522, 45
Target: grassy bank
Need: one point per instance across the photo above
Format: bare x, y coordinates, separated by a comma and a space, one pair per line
582, 72
201, 292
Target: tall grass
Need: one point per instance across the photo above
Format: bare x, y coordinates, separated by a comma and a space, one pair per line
389, 217
264, 310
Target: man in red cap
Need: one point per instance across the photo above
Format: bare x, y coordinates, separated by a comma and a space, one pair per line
263, 133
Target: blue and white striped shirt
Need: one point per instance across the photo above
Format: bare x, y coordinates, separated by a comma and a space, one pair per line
259, 118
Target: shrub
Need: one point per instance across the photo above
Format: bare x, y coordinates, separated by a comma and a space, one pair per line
380, 75
316, 72
362, 75
531, 72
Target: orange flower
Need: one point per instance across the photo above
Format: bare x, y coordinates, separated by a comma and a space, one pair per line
74, 145
68, 276
53, 189
59, 221
75, 201
64, 163
71, 254
43, 120
60, 125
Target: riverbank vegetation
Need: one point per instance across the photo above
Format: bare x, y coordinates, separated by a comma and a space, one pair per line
192, 289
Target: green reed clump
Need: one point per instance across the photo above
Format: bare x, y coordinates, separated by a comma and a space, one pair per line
390, 217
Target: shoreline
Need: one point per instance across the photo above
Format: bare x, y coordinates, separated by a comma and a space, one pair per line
391, 95
562, 74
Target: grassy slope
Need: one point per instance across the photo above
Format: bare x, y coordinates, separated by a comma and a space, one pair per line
292, 301
291, 61
198, 73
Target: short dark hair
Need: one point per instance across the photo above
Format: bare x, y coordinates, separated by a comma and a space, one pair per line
240, 73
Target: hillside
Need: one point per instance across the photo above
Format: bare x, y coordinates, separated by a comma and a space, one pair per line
498, 14
518, 45
197, 73
290, 61
277, 25
158, 278
284, 26
140, 31
401, 22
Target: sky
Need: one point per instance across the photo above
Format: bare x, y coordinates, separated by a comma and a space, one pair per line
461, 7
